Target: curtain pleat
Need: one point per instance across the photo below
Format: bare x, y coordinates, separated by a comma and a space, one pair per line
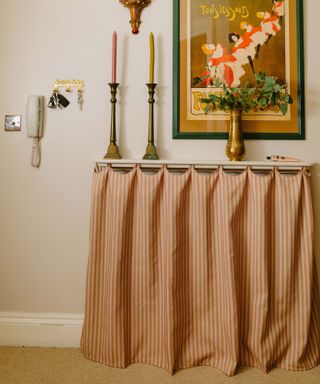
202, 269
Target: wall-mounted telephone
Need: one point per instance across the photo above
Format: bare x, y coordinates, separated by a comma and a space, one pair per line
35, 117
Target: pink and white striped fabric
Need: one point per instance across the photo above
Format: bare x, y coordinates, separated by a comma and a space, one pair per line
193, 269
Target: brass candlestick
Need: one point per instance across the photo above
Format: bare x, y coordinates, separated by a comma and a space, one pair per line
113, 150
151, 151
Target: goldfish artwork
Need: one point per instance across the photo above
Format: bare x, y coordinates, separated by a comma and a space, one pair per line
222, 45
228, 66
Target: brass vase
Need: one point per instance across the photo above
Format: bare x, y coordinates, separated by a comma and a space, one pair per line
235, 149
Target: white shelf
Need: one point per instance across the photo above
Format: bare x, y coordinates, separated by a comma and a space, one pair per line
206, 164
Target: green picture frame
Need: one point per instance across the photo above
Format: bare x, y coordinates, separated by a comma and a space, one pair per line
292, 128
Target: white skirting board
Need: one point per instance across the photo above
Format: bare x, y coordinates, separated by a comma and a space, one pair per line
40, 329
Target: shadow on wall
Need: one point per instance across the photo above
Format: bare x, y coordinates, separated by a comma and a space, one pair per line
316, 202
122, 104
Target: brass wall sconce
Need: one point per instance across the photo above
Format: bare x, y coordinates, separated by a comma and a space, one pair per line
135, 7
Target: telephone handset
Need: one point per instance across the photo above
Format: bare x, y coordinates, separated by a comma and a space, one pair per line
35, 117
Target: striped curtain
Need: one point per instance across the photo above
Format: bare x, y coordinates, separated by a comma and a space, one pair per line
202, 269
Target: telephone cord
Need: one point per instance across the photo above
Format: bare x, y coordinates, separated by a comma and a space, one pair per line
36, 153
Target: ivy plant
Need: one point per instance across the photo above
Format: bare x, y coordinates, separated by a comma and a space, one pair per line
266, 94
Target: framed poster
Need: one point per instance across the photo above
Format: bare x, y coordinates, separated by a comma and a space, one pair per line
230, 40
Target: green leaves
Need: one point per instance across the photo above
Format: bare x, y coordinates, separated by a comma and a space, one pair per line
260, 77
284, 108
265, 94
207, 108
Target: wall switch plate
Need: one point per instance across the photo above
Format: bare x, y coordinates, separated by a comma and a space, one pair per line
12, 123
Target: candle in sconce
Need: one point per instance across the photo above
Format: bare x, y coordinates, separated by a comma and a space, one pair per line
114, 57
151, 77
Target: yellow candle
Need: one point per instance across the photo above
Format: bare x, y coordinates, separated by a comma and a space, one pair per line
151, 77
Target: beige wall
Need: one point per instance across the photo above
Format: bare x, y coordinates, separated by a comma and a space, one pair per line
44, 214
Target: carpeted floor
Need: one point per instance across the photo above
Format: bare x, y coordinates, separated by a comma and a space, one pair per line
68, 366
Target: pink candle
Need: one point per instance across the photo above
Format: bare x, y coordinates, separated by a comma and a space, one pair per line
114, 57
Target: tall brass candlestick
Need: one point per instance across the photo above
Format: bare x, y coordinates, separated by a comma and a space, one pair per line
151, 151
113, 150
